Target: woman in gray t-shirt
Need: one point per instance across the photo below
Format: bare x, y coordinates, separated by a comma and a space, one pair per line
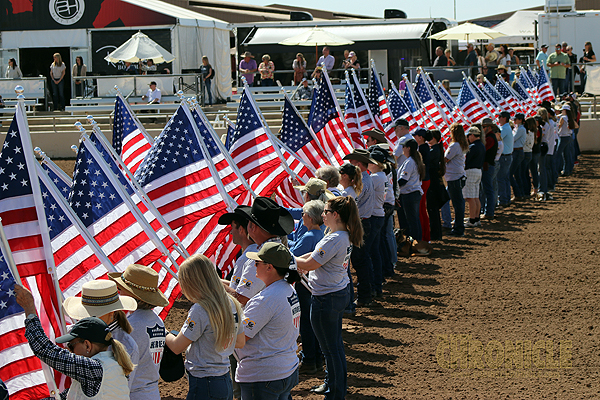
330, 287
210, 332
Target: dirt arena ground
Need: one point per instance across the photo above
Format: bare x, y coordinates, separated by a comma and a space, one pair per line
508, 311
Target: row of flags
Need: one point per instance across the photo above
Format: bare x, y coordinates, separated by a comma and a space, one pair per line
156, 201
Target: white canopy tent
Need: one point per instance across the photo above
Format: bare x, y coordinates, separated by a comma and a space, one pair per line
519, 28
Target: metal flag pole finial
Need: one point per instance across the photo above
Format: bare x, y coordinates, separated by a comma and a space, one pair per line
117, 89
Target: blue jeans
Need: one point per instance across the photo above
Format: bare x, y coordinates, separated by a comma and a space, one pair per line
516, 180
526, 189
410, 205
210, 387
488, 196
446, 215
208, 86
503, 178
270, 390
58, 94
543, 173
564, 155
458, 202
311, 352
558, 85
376, 256
388, 247
326, 318
361, 261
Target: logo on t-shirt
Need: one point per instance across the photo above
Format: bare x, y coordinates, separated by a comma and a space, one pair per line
347, 258
190, 322
295, 305
157, 342
246, 283
321, 252
249, 323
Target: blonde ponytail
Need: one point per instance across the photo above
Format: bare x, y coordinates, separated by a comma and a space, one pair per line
122, 321
121, 356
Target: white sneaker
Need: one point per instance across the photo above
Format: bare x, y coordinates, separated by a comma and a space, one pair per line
470, 224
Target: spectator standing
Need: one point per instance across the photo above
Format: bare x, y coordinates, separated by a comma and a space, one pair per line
448, 54
531, 128
546, 141
211, 331
326, 59
248, 68
542, 57
79, 69
351, 180
489, 195
299, 67
491, 59
588, 57
505, 160
266, 69
473, 165
514, 60
441, 60
13, 71
351, 61
410, 177
57, 77
455, 175
380, 186
480, 61
558, 62
401, 128
564, 153
208, 73
518, 158
471, 59
422, 136
572, 70
446, 85
331, 176
437, 195
504, 57
141, 283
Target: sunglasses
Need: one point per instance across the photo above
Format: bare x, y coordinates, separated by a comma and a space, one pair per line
328, 211
71, 345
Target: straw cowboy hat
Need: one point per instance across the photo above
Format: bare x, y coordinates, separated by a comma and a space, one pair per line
361, 155
142, 283
98, 298
316, 187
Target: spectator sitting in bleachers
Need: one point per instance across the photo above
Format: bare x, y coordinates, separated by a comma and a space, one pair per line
305, 92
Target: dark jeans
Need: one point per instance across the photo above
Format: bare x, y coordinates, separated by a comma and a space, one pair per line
211, 387
388, 247
410, 204
564, 155
576, 150
79, 89
488, 196
270, 390
326, 318
458, 203
551, 174
558, 85
516, 174
311, 352
524, 173
361, 260
267, 82
504, 178
208, 87
533, 169
58, 94
543, 174
376, 256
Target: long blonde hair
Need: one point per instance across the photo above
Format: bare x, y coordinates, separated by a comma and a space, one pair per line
58, 61
200, 283
121, 356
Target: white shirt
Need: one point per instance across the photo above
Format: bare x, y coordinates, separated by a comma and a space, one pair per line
153, 94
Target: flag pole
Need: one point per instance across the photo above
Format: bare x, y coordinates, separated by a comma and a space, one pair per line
134, 183
426, 80
129, 202
337, 104
10, 261
312, 134
362, 95
422, 109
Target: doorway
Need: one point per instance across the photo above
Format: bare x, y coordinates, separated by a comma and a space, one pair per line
36, 61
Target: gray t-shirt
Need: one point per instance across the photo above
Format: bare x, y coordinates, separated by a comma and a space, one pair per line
244, 280
455, 167
349, 191
333, 253
379, 187
201, 357
271, 320
365, 200
149, 334
130, 346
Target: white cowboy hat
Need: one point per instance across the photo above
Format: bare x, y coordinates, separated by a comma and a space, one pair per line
98, 298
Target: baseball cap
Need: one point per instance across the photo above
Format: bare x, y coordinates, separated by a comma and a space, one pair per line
276, 254
400, 122
315, 187
544, 46
473, 131
91, 328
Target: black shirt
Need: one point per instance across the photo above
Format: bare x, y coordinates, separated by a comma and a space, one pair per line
205, 70
441, 61
436, 157
475, 155
424, 150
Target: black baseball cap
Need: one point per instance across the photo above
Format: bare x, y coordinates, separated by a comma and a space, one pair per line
91, 328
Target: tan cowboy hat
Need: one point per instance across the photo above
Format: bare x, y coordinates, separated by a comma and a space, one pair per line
98, 298
142, 282
316, 187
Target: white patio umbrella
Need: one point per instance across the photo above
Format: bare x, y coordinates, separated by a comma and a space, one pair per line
140, 47
467, 31
316, 37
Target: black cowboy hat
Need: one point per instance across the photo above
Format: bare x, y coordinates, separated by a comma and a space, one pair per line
361, 155
269, 216
238, 213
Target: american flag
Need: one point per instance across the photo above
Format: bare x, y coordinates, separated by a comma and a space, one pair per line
446, 114
290, 196
469, 104
295, 134
398, 107
491, 90
326, 122
253, 151
365, 118
20, 205
379, 108
456, 112
508, 96
351, 115
61, 180
527, 101
490, 102
230, 132
130, 139
531, 83
488, 106
543, 86
415, 109
429, 104
76, 260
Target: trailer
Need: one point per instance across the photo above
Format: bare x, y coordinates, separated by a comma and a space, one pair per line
573, 27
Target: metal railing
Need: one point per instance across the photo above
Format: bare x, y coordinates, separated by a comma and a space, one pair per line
287, 75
